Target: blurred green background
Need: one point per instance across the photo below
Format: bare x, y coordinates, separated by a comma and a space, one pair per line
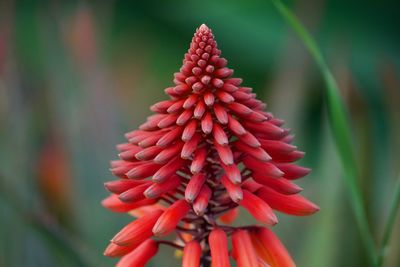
75, 76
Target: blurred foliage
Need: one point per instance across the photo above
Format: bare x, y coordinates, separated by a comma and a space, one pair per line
76, 75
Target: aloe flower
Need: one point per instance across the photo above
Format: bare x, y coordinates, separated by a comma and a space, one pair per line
209, 149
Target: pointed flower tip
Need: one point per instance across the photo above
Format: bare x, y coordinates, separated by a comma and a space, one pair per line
204, 27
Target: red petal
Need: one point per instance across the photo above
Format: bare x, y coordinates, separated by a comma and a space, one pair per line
235, 191
229, 216
233, 173
194, 186
130, 154
276, 147
250, 140
293, 171
239, 109
225, 97
280, 185
221, 114
120, 186
266, 168
140, 256
168, 169
113, 250
265, 127
190, 101
148, 153
190, 146
184, 117
167, 121
158, 189
189, 130
191, 254
175, 107
219, 248
244, 252
171, 217
260, 210
199, 109
201, 202
223, 72
162, 106
291, 204
207, 123
256, 152
290, 157
219, 135
137, 231
169, 137
114, 204
269, 248
225, 153
168, 153
144, 170
134, 194
209, 99
198, 160
235, 126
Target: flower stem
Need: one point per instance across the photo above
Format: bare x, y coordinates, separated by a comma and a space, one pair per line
340, 129
387, 232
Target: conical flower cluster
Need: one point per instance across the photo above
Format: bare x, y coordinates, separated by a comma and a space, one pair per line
208, 149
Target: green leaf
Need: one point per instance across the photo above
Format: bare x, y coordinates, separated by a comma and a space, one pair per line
340, 128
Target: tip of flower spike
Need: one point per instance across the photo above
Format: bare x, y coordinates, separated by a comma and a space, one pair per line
204, 27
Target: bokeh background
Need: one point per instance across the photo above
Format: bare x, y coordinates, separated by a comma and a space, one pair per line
76, 75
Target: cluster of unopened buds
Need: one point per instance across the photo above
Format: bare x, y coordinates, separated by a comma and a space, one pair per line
210, 149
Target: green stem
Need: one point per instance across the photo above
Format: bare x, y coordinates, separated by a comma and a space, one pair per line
387, 232
340, 129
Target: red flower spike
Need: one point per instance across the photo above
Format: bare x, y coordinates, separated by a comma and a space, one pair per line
219, 248
245, 254
140, 256
207, 150
191, 254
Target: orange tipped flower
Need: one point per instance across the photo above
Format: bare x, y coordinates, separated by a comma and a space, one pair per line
208, 149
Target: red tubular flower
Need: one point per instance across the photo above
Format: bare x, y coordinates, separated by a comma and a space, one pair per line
243, 250
191, 254
140, 256
219, 248
270, 249
206, 151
